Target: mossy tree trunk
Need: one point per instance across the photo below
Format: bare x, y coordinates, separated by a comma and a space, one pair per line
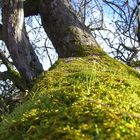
68, 34
15, 37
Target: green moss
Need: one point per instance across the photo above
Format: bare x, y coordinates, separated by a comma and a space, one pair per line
15, 73
86, 50
16, 78
94, 97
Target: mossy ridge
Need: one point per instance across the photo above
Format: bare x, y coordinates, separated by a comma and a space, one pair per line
93, 97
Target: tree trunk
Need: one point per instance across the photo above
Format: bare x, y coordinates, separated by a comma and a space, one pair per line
68, 34
15, 37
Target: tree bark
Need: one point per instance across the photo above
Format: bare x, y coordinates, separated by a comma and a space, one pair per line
15, 37
68, 34
11, 73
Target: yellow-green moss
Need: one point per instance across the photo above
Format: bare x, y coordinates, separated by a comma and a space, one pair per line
81, 98
86, 50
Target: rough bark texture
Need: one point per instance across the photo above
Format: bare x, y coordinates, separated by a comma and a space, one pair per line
15, 37
68, 34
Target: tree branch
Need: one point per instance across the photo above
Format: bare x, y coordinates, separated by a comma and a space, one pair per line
11, 73
6, 61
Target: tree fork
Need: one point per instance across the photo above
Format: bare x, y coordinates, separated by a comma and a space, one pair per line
70, 37
17, 41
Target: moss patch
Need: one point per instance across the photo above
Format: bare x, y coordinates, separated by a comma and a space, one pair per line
79, 98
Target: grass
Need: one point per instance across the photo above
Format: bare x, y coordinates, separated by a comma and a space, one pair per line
89, 98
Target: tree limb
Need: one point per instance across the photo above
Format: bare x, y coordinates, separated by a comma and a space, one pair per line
6, 61
11, 73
